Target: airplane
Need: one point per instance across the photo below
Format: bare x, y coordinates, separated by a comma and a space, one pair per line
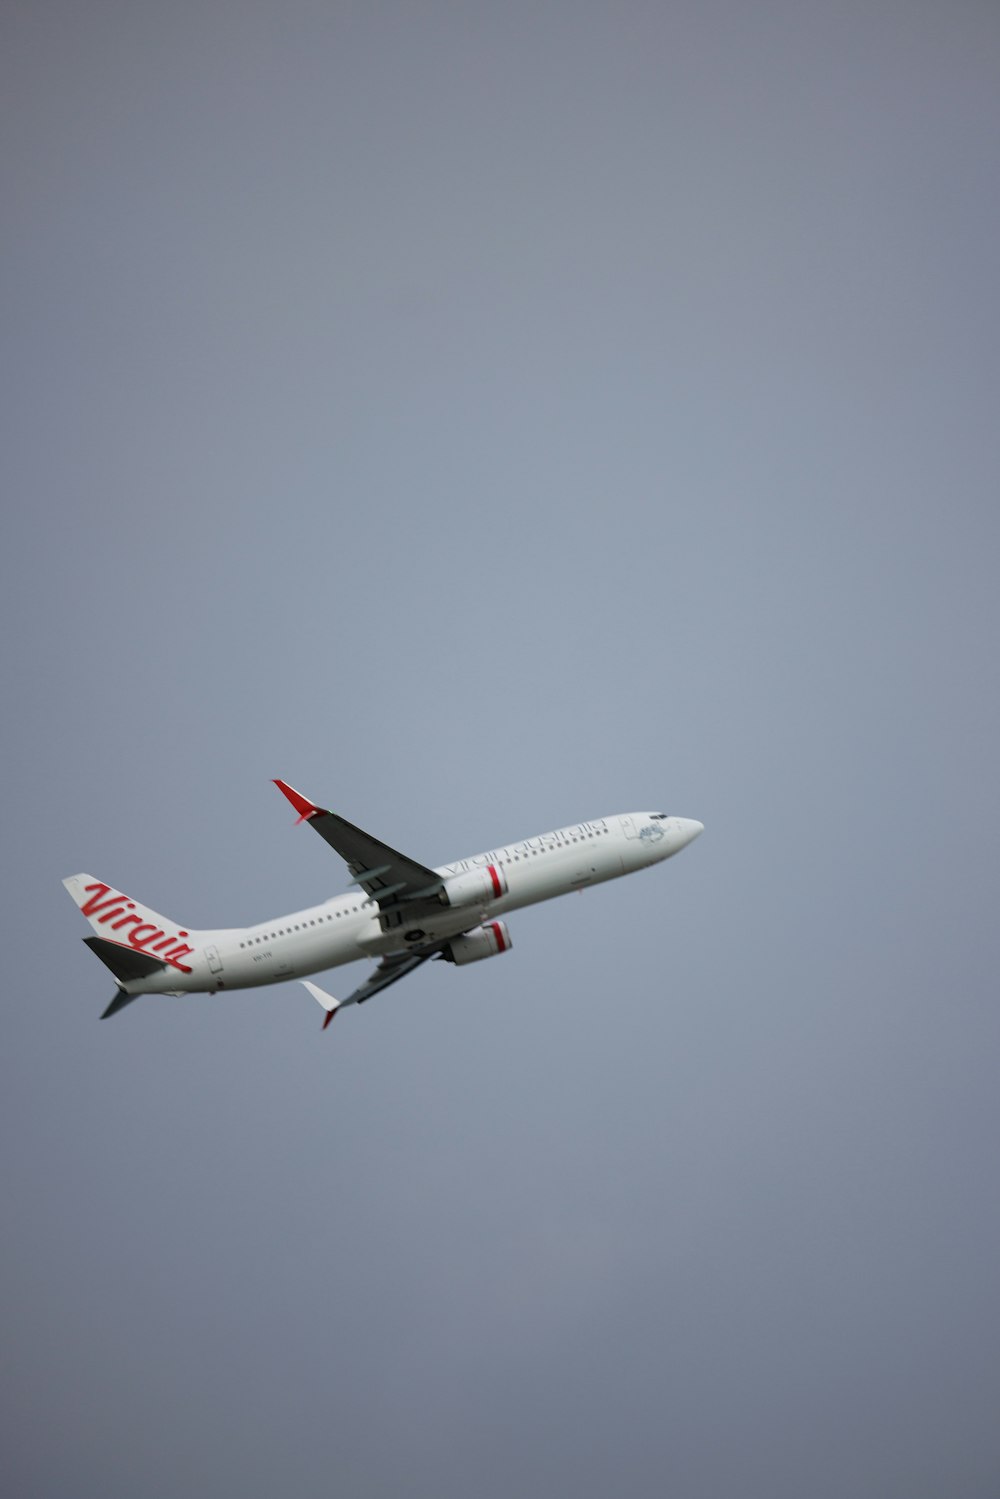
402, 912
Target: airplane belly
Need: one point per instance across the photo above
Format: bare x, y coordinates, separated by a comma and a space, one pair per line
425, 928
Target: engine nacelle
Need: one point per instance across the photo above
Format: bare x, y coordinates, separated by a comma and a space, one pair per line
475, 887
482, 942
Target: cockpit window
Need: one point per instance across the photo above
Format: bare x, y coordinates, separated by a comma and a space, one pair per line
659, 816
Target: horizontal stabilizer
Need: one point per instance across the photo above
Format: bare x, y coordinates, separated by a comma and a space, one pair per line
119, 1002
126, 963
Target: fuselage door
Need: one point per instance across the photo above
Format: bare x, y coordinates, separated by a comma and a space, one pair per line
628, 827
214, 961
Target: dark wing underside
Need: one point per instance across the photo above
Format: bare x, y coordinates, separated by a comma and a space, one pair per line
395, 967
401, 886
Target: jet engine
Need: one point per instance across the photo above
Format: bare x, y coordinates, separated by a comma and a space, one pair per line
482, 942
475, 887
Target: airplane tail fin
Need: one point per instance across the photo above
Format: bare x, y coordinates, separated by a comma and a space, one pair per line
108, 910
128, 928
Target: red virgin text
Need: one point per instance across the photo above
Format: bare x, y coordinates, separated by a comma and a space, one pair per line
117, 914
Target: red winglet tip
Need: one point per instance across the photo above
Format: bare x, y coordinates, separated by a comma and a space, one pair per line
329, 1016
302, 805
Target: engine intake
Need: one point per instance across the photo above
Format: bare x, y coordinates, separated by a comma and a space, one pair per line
475, 887
484, 941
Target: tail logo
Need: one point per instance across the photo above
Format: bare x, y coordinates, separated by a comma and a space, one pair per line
116, 912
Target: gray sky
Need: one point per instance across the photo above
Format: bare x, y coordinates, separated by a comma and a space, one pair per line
488, 417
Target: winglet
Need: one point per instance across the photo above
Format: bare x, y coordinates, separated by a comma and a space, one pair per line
302, 805
330, 1005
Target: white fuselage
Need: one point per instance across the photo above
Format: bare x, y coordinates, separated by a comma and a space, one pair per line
346, 927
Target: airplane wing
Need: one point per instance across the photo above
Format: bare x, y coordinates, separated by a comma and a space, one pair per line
394, 967
397, 883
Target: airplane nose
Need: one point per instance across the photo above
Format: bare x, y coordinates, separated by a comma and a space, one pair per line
689, 829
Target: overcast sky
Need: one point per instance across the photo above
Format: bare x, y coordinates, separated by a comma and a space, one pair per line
488, 417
